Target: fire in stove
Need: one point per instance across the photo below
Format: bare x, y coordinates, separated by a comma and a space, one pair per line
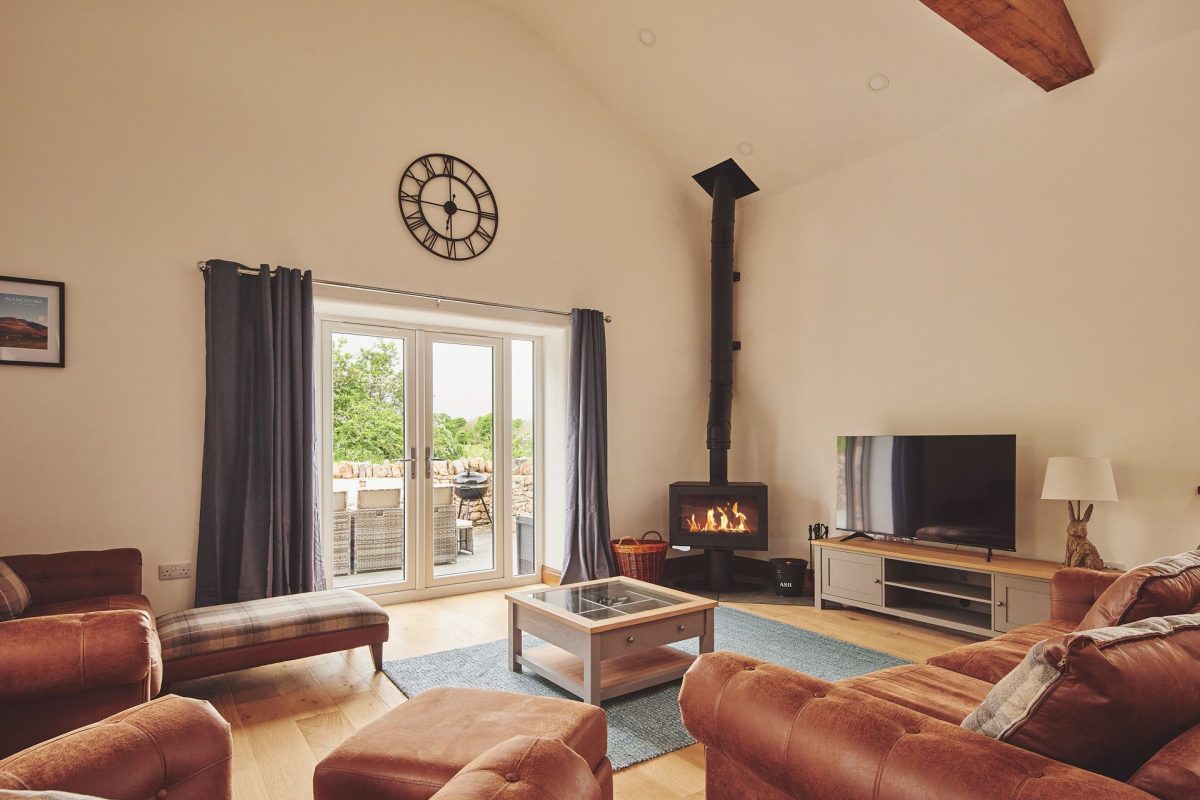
720, 519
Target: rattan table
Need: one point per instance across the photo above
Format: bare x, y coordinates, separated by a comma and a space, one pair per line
608, 637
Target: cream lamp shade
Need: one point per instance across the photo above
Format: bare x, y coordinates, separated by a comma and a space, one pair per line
1079, 478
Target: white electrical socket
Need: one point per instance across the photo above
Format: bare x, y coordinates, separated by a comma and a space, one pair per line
174, 572
1115, 565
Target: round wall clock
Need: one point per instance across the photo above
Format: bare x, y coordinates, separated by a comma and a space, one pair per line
448, 206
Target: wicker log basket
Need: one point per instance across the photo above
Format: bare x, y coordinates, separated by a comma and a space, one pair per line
640, 559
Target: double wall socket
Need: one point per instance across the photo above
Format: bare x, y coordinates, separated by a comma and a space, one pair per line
173, 572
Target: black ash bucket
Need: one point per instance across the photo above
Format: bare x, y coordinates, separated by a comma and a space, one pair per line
789, 576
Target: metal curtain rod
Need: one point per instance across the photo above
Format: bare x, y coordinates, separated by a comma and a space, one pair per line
203, 267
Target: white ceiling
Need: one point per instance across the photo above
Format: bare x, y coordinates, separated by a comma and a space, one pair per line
789, 76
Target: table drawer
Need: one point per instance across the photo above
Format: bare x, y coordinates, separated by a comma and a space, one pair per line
646, 635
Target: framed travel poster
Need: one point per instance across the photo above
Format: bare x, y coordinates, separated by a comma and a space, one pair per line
32, 322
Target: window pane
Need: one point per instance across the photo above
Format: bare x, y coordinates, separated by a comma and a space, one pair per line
463, 535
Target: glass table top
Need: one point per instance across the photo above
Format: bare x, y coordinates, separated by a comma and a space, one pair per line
605, 600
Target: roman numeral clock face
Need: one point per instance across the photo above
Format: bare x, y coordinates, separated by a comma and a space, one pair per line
448, 207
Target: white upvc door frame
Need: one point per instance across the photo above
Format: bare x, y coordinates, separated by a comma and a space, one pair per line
419, 582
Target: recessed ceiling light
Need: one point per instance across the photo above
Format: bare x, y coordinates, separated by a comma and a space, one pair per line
878, 82
746, 149
647, 37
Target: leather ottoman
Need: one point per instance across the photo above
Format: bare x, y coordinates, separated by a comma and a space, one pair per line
415, 749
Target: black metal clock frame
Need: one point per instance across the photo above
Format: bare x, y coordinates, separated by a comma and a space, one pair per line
435, 181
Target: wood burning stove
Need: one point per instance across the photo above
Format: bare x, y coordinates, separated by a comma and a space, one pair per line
731, 516
720, 516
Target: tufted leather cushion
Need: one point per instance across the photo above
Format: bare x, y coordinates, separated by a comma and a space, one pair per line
1104, 700
70, 576
1170, 585
84, 605
940, 693
524, 768
170, 747
1173, 773
992, 659
14, 595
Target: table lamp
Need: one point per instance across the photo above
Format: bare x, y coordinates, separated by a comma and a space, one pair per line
1078, 478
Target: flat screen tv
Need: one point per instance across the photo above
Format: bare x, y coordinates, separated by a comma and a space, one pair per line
952, 489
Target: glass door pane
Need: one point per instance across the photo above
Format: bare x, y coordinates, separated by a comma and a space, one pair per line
372, 460
463, 469
524, 541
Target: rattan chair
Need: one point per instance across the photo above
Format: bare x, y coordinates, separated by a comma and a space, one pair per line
378, 531
341, 535
445, 534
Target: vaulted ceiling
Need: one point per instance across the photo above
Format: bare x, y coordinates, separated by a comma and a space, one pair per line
788, 79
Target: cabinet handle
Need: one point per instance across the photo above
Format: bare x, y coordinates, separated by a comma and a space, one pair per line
683, 627
878, 581
629, 640
999, 604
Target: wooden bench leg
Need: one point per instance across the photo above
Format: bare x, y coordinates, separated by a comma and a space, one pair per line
377, 655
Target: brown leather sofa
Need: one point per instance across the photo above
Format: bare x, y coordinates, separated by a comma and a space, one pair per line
86, 647
170, 747
771, 733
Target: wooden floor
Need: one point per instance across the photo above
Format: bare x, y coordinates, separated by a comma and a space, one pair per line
286, 717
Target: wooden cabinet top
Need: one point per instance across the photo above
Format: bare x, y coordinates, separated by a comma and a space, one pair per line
963, 559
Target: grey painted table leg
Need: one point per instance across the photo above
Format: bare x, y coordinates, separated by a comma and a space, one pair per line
591, 674
707, 638
514, 639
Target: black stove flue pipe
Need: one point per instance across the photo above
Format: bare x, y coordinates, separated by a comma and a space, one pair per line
725, 182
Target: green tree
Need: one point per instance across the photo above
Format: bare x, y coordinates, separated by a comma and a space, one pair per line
522, 438
368, 402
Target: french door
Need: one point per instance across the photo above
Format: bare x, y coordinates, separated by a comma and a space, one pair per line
430, 459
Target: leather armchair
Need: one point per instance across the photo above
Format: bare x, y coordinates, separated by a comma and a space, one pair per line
84, 649
170, 747
775, 734
1073, 591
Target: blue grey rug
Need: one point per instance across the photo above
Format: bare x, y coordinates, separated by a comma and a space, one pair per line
645, 724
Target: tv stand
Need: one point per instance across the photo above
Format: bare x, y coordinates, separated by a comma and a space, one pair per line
850, 537
962, 590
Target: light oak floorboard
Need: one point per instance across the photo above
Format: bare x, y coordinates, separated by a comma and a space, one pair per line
286, 717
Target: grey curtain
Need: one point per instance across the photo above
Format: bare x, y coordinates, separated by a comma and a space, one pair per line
587, 554
258, 522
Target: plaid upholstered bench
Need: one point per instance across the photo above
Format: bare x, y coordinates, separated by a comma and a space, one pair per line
216, 639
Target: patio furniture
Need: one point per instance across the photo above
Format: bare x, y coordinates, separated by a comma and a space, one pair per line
445, 535
471, 488
466, 536
378, 531
341, 536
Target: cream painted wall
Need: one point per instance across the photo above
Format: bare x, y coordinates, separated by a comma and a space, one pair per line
1029, 271
139, 137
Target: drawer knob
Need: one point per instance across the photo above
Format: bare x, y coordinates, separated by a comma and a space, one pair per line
683, 627
878, 581
629, 640
1000, 604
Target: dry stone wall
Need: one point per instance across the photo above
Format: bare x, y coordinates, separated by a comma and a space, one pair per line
444, 472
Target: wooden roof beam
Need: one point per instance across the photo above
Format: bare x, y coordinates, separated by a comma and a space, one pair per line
1035, 37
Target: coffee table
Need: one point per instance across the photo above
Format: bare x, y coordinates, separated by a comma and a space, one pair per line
608, 637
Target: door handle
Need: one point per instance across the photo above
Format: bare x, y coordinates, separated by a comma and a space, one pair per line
412, 474
428, 461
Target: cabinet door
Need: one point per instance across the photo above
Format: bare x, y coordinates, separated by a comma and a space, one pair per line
1019, 601
851, 576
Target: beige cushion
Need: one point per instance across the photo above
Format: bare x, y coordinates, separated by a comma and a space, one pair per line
14, 594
